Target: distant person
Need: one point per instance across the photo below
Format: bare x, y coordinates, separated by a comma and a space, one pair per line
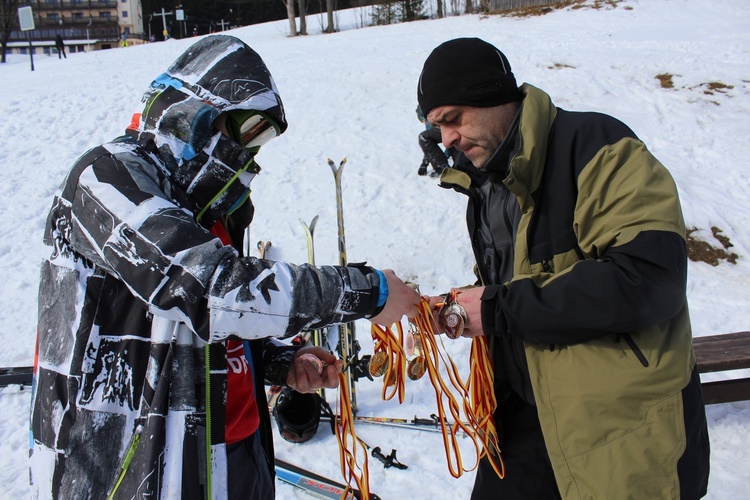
156, 334
581, 260
433, 154
60, 45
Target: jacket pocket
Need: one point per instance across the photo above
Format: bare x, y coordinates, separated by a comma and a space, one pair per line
636, 350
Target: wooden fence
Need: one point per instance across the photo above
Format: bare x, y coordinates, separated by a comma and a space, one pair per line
503, 5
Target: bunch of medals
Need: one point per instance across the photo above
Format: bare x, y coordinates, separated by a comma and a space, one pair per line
421, 351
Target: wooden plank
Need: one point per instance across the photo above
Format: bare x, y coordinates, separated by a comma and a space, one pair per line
726, 391
16, 375
729, 351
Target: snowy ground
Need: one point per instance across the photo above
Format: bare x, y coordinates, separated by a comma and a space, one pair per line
353, 94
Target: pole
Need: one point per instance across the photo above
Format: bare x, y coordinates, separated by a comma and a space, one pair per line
26, 23
31, 51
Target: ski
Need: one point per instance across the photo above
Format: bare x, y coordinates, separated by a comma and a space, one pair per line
263, 247
314, 484
348, 347
318, 337
431, 424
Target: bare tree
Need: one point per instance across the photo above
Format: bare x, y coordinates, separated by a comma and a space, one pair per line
329, 10
440, 13
302, 19
469, 7
8, 21
290, 14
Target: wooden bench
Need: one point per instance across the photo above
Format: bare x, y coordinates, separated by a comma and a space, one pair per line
720, 353
715, 353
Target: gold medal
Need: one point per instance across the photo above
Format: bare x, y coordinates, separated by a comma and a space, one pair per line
379, 363
416, 368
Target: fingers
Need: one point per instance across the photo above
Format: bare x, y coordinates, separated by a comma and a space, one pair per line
403, 300
314, 368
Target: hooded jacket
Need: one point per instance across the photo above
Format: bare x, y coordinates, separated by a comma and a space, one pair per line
580, 241
137, 297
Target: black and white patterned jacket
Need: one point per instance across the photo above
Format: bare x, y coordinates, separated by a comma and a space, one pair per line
137, 298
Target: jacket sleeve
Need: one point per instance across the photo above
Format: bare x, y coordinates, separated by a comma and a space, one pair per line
114, 213
629, 225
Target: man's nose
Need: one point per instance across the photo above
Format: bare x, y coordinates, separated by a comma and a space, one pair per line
449, 136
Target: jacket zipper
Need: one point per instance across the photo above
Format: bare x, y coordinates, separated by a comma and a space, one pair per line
209, 486
636, 350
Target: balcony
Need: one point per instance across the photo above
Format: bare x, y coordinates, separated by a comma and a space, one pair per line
75, 21
75, 5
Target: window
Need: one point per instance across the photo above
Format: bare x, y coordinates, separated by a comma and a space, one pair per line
105, 15
124, 13
53, 17
76, 15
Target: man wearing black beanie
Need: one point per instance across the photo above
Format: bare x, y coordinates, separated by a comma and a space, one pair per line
581, 257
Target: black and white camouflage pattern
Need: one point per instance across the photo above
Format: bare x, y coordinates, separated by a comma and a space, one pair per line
136, 298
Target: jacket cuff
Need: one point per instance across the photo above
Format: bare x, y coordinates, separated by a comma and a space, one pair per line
368, 291
493, 319
277, 361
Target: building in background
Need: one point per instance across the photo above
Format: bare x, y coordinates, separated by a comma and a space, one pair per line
84, 25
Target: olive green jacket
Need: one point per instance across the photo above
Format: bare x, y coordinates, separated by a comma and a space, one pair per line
597, 299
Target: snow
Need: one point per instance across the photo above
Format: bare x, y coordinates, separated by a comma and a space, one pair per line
353, 94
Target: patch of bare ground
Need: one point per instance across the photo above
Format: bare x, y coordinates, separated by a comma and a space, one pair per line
701, 251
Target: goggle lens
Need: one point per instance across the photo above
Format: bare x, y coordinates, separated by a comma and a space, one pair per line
256, 131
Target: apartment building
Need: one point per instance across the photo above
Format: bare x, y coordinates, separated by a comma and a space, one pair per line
84, 25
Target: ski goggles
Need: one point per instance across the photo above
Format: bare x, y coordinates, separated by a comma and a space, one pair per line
252, 129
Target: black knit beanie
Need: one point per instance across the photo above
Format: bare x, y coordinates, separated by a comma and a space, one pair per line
466, 72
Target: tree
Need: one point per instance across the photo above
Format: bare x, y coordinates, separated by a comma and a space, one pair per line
290, 15
9, 21
302, 17
329, 9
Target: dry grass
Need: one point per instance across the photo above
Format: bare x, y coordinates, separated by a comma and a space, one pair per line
701, 251
712, 87
541, 9
573, 4
560, 66
666, 80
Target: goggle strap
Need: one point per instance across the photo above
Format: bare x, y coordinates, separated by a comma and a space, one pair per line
222, 191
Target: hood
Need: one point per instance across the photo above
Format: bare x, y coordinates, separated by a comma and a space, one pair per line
217, 74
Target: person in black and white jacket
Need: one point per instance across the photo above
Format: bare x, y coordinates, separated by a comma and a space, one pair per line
155, 333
